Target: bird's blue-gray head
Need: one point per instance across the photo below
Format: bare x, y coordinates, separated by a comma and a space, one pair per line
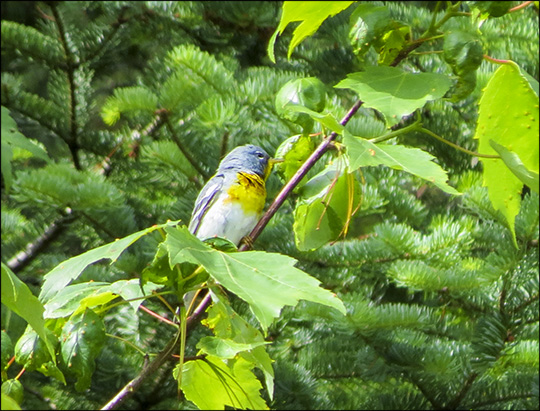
247, 158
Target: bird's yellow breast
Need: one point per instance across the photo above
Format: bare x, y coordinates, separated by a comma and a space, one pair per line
249, 191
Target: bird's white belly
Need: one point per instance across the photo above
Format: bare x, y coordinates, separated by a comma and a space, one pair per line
230, 222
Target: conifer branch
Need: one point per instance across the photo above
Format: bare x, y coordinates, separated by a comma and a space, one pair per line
22, 259
72, 142
181, 147
455, 403
109, 37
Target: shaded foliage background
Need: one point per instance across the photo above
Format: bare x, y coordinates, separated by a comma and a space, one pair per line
444, 309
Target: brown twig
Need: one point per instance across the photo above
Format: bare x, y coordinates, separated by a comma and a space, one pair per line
152, 366
293, 182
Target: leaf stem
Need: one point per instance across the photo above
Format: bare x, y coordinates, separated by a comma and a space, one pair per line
183, 334
416, 126
472, 153
121, 302
496, 61
127, 342
159, 317
520, 6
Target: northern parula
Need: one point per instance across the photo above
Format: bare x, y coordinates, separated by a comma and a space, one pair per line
232, 201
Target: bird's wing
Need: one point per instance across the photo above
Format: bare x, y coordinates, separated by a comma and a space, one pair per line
205, 199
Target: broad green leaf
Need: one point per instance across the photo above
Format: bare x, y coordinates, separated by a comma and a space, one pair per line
392, 42
132, 290
514, 163
212, 384
225, 323
412, 160
225, 348
11, 137
9, 403
326, 204
294, 151
311, 14
68, 299
17, 297
508, 116
82, 338
32, 353
14, 389
95, 300
463, 51
367, 24
532, 81
394, 92
70, 269
306, 92
328, 120
77, 297
7, 350
266, 281
31, 350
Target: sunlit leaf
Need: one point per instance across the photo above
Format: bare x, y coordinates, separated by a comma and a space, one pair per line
225, 323
326, 204
412, 160
514, 163
70, 269
232, 385
266, 281
17, 297
394, 92
508, 116
311, 14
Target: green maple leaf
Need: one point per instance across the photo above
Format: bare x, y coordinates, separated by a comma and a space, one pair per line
508, 117
394, 92
266, 281
412, 160
213, 384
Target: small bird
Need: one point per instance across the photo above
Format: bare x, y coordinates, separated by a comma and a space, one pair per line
232, 201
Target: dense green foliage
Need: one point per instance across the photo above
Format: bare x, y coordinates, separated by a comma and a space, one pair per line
114, 114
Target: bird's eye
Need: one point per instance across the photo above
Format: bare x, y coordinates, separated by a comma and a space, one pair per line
260, 155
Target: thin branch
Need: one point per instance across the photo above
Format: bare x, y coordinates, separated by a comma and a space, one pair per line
327, 143
148, 369
293, 182
73, 144
159, 317
181, 147
456, 402
152, 366
24, 258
